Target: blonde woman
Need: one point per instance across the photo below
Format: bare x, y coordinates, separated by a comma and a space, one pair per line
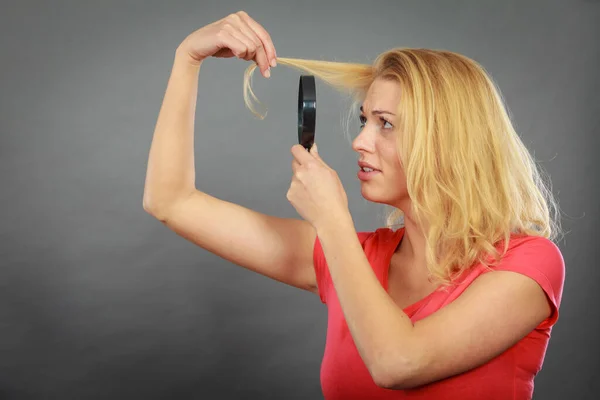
460, 300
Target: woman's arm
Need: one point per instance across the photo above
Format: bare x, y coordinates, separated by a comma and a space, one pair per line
171, 171
279, 248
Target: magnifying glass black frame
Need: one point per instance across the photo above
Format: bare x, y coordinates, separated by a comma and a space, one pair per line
307, 111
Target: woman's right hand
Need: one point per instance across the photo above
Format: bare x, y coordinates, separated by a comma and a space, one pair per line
237, 35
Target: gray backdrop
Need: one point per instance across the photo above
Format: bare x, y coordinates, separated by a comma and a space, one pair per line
99, 300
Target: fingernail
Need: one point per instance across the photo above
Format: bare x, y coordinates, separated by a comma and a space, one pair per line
268, 73
273, 63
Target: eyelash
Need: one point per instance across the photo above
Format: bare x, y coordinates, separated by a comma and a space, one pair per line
363, 121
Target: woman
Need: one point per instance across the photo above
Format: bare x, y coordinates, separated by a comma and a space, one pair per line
459, 302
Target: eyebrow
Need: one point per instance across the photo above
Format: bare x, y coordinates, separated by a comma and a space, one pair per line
376, 112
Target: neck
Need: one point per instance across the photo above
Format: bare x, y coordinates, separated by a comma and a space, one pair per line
412, 245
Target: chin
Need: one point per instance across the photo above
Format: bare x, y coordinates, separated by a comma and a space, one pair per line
368, 194
371, 193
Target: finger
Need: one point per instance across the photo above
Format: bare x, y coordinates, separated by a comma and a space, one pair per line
314, 150
262, 34
237, 47
262, 58
250, 47
301, 155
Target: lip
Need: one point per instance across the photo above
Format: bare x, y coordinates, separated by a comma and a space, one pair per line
365, 176
363, 164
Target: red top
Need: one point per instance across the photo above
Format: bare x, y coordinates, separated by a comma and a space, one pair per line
508, 376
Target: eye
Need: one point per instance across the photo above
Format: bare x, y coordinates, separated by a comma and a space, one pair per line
385, 121
363, 120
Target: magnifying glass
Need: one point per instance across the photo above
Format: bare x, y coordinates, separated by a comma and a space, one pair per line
307, 111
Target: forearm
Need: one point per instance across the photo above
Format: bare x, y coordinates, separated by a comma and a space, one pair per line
170, 172
379, 328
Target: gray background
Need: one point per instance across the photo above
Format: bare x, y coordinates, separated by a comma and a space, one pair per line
99, 300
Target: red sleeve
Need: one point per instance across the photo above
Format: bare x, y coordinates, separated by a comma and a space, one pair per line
321, 269
541, 260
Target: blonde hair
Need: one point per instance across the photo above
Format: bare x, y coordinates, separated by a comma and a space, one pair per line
472, 182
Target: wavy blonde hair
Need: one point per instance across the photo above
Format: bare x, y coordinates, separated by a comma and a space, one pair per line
472, 182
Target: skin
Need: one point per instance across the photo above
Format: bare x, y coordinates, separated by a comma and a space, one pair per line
376, 144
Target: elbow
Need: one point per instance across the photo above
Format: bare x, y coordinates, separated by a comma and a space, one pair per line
394, 380
160, 206
390, 379
156, 212
148, 206
398, 373
148, 201
395, 383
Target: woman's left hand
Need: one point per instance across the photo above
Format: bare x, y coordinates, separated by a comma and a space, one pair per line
316, 191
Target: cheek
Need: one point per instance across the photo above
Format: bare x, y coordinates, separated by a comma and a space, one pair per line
398, 174
401, 174
394, 163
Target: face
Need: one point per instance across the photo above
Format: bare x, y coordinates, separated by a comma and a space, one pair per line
376, 145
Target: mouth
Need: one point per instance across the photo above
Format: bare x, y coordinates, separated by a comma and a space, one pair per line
365, 174
366, 169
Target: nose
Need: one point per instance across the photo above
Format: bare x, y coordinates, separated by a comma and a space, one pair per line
364, 141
